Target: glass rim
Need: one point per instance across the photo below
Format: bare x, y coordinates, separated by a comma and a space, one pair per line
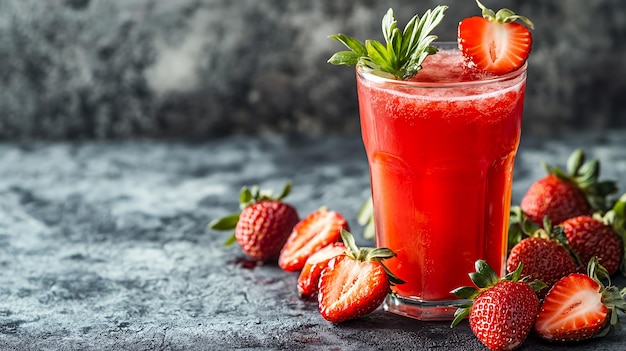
367, 74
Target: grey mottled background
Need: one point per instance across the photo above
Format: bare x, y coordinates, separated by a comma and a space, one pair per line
94, 69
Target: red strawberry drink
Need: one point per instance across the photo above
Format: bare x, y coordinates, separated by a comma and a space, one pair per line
441, 148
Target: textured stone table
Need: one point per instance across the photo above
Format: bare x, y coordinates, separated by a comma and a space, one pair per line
104, 245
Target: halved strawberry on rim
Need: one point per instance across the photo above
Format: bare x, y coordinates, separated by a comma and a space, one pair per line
495, 42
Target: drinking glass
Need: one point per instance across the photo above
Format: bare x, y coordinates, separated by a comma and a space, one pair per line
441, 154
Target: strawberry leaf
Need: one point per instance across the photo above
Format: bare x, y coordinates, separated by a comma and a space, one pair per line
503, 15
575, 161
537, 285
466, 292
612, 297
231, 240
516, 274
459, 315
228, 222
285, 192
378, 254
596, 271
616, 218
559, 234
348, 240
520, 226
484, 274
369, 254
245, 197
255, 192
586, 175
393, 279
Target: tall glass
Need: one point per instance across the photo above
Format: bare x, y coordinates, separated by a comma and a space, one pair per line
441, 154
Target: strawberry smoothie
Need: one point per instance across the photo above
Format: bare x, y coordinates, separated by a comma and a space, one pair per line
441, 149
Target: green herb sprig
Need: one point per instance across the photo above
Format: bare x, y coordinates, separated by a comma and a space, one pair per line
404, 52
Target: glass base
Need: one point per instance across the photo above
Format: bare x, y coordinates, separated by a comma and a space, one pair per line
422, 310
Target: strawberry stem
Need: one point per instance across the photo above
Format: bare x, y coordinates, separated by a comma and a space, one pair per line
369, 254
247, 197
612, 297
348, 240
231, 240
484, 278
586, 176
503, 16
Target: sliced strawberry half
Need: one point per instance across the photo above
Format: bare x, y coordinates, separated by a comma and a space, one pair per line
573, 310
318, 229
579, 306
495, 42
354, 284
350, 289
310, 274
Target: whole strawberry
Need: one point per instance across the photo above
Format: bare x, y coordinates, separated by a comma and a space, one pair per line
562, 195
356, 283
579, 306
501, 311
263, 225
555, 197
589, 237
545, 256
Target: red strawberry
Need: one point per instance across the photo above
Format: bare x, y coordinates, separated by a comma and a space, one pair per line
264, 224
318, 229
562, 195
543, 258
579, 307
310, 274
355, 284
589, 237
554, 197
616, 218
495, 42
502, 311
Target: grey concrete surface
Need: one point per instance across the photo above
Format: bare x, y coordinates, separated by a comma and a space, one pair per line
104, 246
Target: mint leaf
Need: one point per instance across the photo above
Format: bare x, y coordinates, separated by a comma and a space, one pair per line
350, 43
389, 25
378, 54
404, 51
